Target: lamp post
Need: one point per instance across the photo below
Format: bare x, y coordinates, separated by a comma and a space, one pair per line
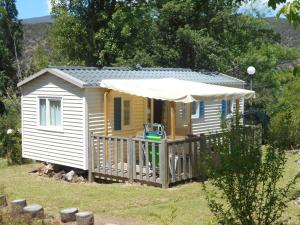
251, 71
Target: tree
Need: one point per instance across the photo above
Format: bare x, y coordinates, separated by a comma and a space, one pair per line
285, 123
291, 10
100, 33
10, 45
248, 179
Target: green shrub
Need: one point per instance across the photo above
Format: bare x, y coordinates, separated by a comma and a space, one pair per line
10, 136
247, 180
285, 120
285, 129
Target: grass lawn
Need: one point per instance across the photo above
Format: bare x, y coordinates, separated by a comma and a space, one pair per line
122, 201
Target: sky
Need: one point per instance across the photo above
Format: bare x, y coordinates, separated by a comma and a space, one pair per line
36, 8
33, 8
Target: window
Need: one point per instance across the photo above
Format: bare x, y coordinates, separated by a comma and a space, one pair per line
198, 110
122, 113
227, 107
126, 112
50, 112
55, 112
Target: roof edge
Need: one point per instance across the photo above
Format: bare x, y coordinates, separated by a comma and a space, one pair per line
55, 72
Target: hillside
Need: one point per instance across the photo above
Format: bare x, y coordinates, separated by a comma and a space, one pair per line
35, 32
290, 36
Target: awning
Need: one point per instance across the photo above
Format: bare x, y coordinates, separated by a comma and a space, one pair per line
171, 89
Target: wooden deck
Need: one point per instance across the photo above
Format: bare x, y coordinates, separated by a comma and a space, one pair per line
159, 163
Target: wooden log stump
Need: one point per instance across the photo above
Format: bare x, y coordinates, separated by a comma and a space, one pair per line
3, 201
18, 205
85, 218
68, 215
34, 211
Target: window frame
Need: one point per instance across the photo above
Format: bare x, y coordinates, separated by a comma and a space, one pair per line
48, 127
228, 114
197, 115
128, 126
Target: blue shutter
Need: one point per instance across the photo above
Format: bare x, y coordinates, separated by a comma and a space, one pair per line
117, 113
224, 107
201, 109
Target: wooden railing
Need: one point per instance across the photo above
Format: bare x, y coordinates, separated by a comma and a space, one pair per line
159, 163
154, 162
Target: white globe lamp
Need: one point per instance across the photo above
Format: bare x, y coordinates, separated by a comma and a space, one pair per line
251, 70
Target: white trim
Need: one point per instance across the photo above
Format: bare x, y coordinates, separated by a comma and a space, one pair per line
48, 127
85, 131
22, 123
55, 72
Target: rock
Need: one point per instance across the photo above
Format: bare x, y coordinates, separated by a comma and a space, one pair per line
69, 176
80, 179
85, 218
18, 205
298, 201
298, 162
34, 211
68, 215
59, 175
3, 201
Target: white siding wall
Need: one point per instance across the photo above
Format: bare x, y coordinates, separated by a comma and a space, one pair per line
212, 118
67, 147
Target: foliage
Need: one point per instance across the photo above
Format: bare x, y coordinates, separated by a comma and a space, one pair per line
10, 45
291, 10
285, 123
40, 59
10, 138
249, 180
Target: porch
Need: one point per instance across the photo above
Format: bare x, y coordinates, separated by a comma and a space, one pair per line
173, 159
158, 163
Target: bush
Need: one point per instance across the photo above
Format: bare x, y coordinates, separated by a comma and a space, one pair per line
10, 136
285, 121
247, 179
285, 129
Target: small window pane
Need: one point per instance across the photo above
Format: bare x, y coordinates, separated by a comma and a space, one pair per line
42, 112
55, 112
126, 112
194, 108
229, 107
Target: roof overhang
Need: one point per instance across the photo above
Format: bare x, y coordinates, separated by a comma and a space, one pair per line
54, 72
175, 90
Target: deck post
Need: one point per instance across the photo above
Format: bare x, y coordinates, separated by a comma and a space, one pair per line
173, 120
237, 110
203, 152
105, 109
106, 112
90, 158
130, 159
164, 164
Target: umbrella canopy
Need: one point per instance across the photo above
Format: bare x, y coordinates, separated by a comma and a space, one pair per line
175, 90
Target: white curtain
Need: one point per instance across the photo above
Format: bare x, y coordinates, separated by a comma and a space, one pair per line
55, 113
42, 112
